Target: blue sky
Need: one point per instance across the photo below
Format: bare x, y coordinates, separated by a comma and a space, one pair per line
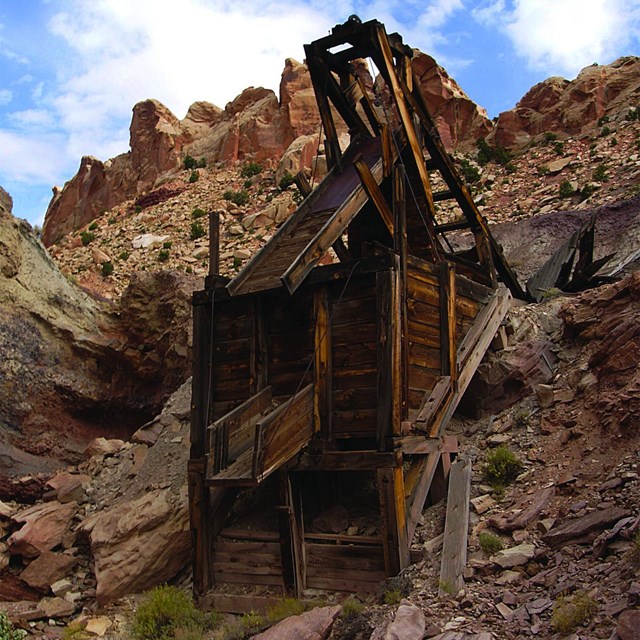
71, 70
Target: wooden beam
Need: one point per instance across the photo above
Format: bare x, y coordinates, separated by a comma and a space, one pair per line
330, 232
415, 504
448, 321
394, 521
421, 445
214, 243
322, 394
259, 355
367, 106
291, 545
454, 550
388, 356
375, 194
348, 460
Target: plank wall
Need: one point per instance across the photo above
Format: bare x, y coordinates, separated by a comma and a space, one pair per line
354, 370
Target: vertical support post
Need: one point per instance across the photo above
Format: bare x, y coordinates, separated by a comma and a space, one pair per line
322, 364
401, 249
388, 421
291, 549
259, 357
394, 519
483, 248
448, 349
214, 243
199, 496
438, 489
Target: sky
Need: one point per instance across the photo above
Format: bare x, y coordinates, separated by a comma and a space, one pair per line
71, 70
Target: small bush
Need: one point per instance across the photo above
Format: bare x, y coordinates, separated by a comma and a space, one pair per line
197, 230
192, 163
163, 255
93, 226
198, 213
247, 183
286, 181
600, 174
87, 237
351, 608
634, 114
164, 610
284, 609
549, 136
124, 255
237, 197
112, 220
107, 268
501, 467
75, 631
587, 191
194, 177
569, 613
167, 245
251, 620
566, 189
605, 131
558, 147
447, 587
7, 630
614, 142
250, 169
487, 153
521, 418
392, 596
489, 543
470, 172
603, 120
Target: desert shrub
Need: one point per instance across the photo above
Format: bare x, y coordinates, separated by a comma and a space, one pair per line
489, 543
447, 587
124, 255
284, 609
613, 142
163, 255
351, 608
87, 237
521, 418
198, 213
487, 153
501, 467
603, 120
191, 163
107, 268
550, 136
600, 173
194, 177
634, 114
470, 172
605, 131
250, 169
392, 596
237, 197
587, 191
164, 610
558, 147
75, 631
167, 245
569, 613
93, 226
286, 181
197, 230
566, 189
8, 631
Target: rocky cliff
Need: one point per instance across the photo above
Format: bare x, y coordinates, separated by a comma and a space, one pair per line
257, 125
600, 94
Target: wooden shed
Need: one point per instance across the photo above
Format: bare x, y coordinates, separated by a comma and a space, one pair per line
321, 392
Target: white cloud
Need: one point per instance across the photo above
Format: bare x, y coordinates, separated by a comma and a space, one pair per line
562, 36
40, 118
5, 96
30, 157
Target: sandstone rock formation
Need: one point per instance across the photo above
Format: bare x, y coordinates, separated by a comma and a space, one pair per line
460, 121
571, 107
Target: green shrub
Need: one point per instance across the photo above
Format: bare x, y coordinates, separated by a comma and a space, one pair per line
487, 153
107, 268
489, 543
75, 631
164, 610
237, 197
501, 467
470, 172
551, 293
587, 191
124, 255
192, 163
167, 245
112, 220
87, 237
634, 114
605, 131
566, 189
197, 230
351, 608
247, 183
7, 630
93, 226
558, 147
163, 255
284, 609
614, 142
250, 169
198, 213
392, 596
286, 181
600, 173
603, 120
549, 136
569, 613
194, 177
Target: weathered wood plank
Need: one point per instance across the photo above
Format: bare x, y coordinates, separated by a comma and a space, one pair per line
448, 320
394, 521
322, 395
349, 460
375, 194
454, 550
421, 445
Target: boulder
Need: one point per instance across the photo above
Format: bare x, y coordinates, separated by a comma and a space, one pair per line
139, 544
585, 528
47, 569
6, 202
44, 527
68, 486
103, 447
628, 627
408, 624
311, 625
514, 556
